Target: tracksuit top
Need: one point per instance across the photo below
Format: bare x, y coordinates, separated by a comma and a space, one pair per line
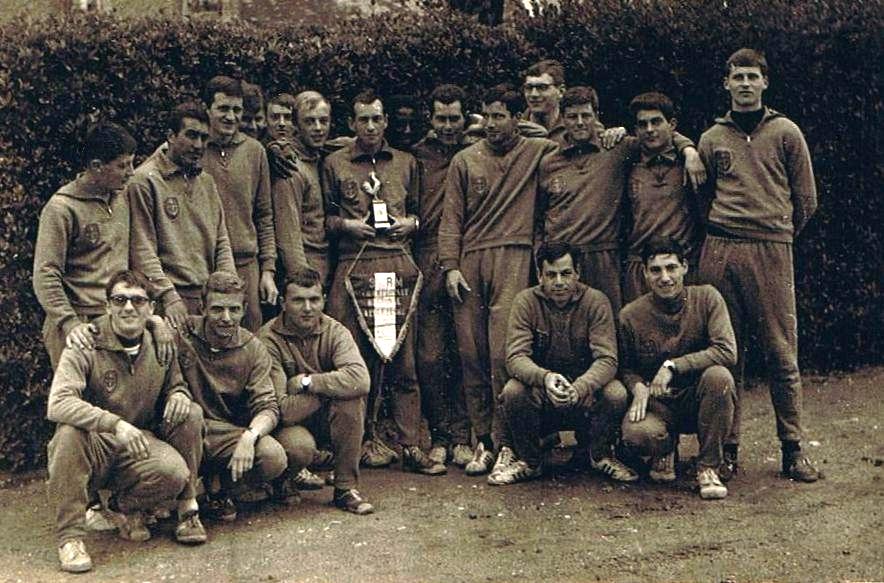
764, 185
94, 389
327, 353
242, 175
434, 158
490, 198
311, 200
179, 233
695, 337
82, 240
231, 384
577, 341
343, 174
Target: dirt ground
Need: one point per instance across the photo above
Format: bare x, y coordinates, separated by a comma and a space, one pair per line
568, 526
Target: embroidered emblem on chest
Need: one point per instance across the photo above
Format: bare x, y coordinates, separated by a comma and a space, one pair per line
480, 185
110, 379
92, 234
350, 189
723, 161
556, 185
170, 205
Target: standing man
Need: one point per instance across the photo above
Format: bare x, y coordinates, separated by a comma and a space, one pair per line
562, 358
660, 204
110, 434
347, 176
320, 378
437, 360
764, 194
254, 121
403, 131
485, 242
676, 343
179, 235
239, 166
544, 87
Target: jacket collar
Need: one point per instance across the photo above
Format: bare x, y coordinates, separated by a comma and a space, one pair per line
75, 189
571, 149
107, 339
238, 138
304, 153
166, 167
279, 326
357, 154
769, 114
196, 327
667, 156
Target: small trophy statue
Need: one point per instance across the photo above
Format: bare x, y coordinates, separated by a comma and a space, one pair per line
379, 218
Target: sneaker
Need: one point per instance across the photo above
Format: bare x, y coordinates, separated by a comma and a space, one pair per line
799, 468
130, 526
220, 508
728, 467
351, 501
73, 557
323, 459
481, 462
285, 491
439, 454
190, 529
246, 494
505, 459
307, 480
461, 454
97, 520
516, 471
414, 460
614, 469
376, 454
663, 468
711, 487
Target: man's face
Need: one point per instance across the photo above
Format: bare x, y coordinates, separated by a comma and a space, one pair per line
746, 86
558, 279
303, 306
113, 175
580, 123
368, 123
129, 308
187, 146
500, 125
225, 114
654, 131
248, 123
542, 94
279, 122
665, 275
448, 122
314, 125
403, 127
224, 311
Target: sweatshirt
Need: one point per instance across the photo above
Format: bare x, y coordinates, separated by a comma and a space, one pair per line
577, 341
94, 389
434, 157
763, 182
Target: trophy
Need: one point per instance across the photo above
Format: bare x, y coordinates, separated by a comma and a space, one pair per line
378, 218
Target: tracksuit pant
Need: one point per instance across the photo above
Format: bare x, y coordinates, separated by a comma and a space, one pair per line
221, 438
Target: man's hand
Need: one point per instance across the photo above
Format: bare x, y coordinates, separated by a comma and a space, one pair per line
82, 336
639, 407
402, 228
660, 383
133, 439
176, 314
454, 281
163, 338
559, 390
611, 137
282, 159
243, 456
177, 409
267, 288
695, 171
357, 229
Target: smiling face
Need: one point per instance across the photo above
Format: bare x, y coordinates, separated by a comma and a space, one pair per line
369, 123
501, 126
129, 308
746, 86
187, 146
580, 120
665, 275
448, 122
653, 130
225, 115
542, 94
224, 311
558, 279
314, 125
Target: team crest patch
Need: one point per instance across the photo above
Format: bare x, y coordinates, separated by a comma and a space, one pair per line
480, 185
648, 348
170, 205
350, 189
110, 380
556, 185
92, 234
723, 161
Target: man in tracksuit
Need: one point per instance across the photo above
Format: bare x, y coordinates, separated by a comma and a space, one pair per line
485, 243
762, 195
111, 435
438, 364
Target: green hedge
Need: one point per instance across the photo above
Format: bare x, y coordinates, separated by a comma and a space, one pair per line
57, 76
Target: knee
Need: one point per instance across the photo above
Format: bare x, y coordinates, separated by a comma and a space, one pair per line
270, 458
67, 443
515, 394
717, 382
347, 412
194, 424
614, 397
646, 437
298, 444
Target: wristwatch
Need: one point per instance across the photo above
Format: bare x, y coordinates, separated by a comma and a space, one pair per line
670, 365
306, 383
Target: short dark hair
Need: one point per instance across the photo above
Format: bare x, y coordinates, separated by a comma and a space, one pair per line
190, 109
506, 94
221, 84
746, 57
547, 66
105, 142
283, 99
553, 250
365, 97
447, 94
224, 282
580, 95
394, 102
131, 278
652, 100
662, 246
302, 277
252, 98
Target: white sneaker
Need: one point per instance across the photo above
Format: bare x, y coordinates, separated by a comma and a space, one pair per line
481, 462
505, 458
614, 469
73, 557
516, 471
461, 454
439, 454
711, 487
97, 520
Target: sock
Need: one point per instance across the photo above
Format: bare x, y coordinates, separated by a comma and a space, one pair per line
791, 447
731, 450
486, 440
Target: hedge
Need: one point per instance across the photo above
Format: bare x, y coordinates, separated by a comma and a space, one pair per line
59, 75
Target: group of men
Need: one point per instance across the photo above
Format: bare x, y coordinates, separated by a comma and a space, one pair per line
167, 370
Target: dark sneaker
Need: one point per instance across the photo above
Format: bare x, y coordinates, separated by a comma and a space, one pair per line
285, 491
246, 494
73, 557
729, 466
799, 468
351, 501
614, 469
131, 526
711, 487
307, 480
323, 459
663, 468
220, 508
414, 460
190, 530
376, 454
481, 462
516, 471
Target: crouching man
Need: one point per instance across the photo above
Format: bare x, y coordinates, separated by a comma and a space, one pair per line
562, 358
320, 377
676, 343
106, 401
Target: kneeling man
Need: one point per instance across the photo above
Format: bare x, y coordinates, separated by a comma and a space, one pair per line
676, 343
110, 435
562, 358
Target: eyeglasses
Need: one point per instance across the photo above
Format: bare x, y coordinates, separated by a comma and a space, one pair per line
119, 300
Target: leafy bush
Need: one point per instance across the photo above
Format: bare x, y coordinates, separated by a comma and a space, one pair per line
57, 76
